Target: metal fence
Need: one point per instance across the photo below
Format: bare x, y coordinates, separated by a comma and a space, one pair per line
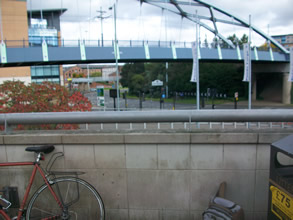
121, 43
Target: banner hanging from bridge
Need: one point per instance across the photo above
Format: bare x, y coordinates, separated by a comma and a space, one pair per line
291, 65
195, 63
247, 63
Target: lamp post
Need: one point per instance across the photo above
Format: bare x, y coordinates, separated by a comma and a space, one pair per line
116, 56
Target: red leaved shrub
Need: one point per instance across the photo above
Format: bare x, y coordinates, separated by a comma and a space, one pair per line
16, 97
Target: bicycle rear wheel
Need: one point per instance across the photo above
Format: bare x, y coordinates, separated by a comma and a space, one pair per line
79, 200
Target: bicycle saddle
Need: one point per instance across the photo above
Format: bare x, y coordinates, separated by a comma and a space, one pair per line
41, 149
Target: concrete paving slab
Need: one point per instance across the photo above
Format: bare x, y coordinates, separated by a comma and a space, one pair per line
268, 138
234, 156
110, 156
135, 214
117, 214
156, 138
263, 152
143, 156
207, 156
222, 138
174, 156
261, 191
3, 157
171, 186
79, 156
111, 184
32, 139
17, 153
92, 139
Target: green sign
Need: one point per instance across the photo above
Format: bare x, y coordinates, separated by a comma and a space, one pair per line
100, 96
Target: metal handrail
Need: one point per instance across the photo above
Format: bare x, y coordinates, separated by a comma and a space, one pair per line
110, 43
255, 115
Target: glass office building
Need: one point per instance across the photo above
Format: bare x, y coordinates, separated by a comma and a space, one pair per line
38, 32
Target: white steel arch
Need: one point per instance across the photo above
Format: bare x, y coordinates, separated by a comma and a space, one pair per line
212, 17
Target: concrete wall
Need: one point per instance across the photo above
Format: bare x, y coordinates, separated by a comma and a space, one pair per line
158, 176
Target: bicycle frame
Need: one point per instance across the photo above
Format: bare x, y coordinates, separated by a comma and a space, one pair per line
28, 188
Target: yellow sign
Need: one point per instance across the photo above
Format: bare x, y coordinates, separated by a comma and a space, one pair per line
282, 204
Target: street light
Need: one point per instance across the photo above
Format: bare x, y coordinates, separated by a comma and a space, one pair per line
116, 55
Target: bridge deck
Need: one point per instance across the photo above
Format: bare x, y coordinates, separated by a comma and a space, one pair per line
47, 55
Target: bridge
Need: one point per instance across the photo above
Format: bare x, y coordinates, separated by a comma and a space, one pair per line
44, 51
166, 174
23, 53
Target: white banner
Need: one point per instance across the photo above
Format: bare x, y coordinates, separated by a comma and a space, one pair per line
45, 51
3, 52
247, 62
291, 65
195, 62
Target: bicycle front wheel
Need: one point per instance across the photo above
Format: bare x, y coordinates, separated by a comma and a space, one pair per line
79, 200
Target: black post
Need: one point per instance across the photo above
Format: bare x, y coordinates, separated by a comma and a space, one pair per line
125, 97
114, 104
174, 100
202, 102
140, 101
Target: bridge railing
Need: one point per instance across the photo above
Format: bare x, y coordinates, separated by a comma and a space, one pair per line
264, 118
110, 43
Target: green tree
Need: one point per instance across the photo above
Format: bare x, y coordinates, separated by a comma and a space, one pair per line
235, 40
137, 84
96, 74
225, 77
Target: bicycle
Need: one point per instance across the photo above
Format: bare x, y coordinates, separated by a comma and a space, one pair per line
65, 197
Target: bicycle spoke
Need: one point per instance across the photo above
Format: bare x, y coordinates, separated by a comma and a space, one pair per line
79, 199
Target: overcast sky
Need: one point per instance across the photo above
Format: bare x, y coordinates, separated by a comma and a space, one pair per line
147, 22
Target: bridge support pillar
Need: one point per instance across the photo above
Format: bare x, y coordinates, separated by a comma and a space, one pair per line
286, 93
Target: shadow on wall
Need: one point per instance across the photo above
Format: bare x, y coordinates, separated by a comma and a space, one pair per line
269, 87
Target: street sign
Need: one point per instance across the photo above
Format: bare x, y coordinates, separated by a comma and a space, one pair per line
100, 96
157, 83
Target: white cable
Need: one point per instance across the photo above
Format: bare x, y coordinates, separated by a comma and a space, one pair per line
79, 21
139, 22
162, 20
166, 25
41, 11
89, 36
180, 29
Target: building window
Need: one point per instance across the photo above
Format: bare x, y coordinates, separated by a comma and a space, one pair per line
45, 73
284, 39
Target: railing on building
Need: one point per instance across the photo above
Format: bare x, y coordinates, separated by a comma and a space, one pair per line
122, 43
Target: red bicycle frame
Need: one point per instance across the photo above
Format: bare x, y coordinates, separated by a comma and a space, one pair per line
28, 188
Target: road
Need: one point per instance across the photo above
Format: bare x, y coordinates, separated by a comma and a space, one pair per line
133, 104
